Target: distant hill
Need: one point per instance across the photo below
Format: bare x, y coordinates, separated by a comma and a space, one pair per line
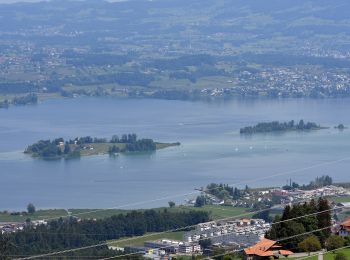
207, 23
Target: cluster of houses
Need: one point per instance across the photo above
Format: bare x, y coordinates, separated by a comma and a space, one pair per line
163, 249
12, 227
233, 234
302, 195
242, 232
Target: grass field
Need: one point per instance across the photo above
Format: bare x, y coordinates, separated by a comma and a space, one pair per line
40, 214
102, 148
138, 241
330, 256
340, 199
216, 212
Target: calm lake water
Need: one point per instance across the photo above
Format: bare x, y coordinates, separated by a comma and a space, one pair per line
212, 149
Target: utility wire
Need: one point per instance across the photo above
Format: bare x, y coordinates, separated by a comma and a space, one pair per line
196, 192
164, 232
279, 240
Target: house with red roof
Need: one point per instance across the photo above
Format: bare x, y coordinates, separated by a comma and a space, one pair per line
265, 249
344, 230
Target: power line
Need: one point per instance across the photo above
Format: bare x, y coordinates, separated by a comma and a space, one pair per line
334, 250
164, 232
169, 231
196, 192
279, 240
228, 234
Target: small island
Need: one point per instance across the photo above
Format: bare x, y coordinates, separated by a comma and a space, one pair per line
277, 126
85, 146
340, 127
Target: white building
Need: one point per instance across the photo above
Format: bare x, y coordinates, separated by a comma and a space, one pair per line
189, 248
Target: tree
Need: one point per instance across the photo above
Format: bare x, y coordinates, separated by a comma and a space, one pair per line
236, 194
4, 247
301, 124
340, 127
200, 201
171, 204
341, 256
334, 242
324, 219
115, 139
205, 243
310, 244
31, 208
67, 149
265, 215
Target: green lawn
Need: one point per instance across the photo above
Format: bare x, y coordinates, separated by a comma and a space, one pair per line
138, 241
330, 256
102, 148
216, 212
97, 213
340, 199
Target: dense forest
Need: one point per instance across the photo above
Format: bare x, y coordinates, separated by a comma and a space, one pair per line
276, 126
72, 233
302, 225
59, 148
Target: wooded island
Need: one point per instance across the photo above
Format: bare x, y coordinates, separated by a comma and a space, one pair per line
84, 146
276, 126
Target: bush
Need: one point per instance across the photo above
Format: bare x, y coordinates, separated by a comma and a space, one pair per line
341, 256
310, 244
334, 242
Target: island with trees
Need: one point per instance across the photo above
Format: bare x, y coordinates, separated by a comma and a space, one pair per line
29, 99
340, 127
276, 126
85, 146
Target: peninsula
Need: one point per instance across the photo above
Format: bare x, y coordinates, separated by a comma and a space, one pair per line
87, 146
276, 126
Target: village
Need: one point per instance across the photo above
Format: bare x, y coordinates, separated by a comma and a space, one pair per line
245, 233
241, 234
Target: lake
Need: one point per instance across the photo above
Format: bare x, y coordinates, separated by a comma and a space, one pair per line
211, 150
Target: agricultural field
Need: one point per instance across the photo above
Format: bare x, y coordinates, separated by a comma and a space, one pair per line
216, 212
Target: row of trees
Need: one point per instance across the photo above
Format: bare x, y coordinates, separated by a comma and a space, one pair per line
20, 100
278, 126
124, 139
319, 182
64, 234
143, 145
